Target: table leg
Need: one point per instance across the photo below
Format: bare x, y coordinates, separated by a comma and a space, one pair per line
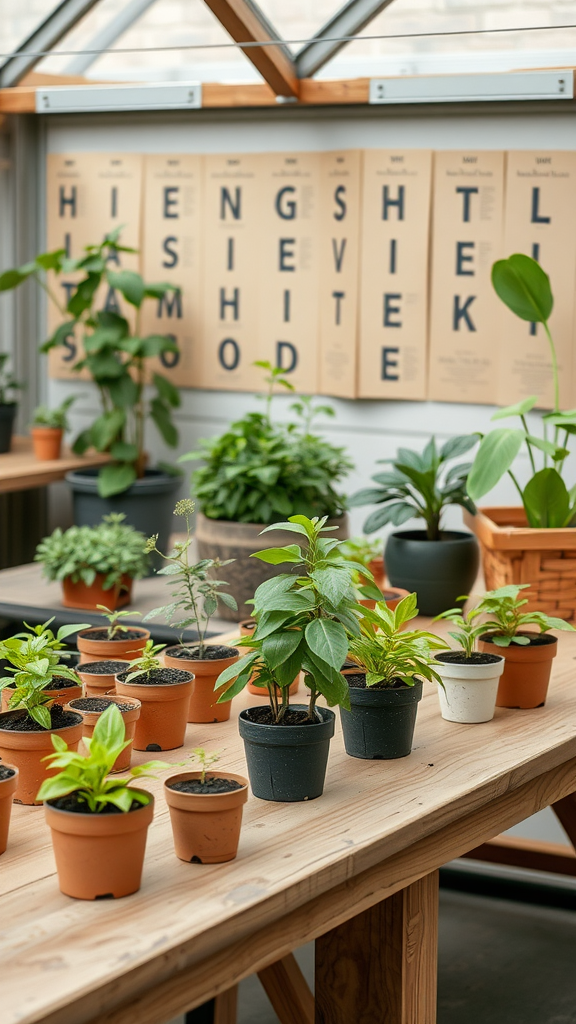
380, 966
220, 1010
287, 990
565, 811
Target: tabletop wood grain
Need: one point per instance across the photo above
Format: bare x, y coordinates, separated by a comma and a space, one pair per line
21, 470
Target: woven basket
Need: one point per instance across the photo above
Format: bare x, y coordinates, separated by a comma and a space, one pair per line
513, 552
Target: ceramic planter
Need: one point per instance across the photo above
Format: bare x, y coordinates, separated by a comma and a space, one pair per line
47, 443
439, 571
111, 650
204, 705
99, 855
524, 682
96, 684
78, 595
164, 712
469, 693
287, 763
380, 725
7, 417
206, 826
90, 718
7, 790
61, 695
25, 750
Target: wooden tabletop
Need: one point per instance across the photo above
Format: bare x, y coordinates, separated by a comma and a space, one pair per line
194, 930
20, 470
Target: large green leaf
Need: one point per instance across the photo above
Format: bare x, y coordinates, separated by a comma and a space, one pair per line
277, 556
546, 499
106, 427
519, 409
327, 639
166, 390
456, 446
278, 647
524, 287
496, 453
161, 416
115, 478
129, 283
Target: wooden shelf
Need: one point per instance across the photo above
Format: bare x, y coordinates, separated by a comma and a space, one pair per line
20, 470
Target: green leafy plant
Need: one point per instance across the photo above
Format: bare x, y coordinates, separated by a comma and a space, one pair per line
8, 382
196, 593
468, 629
115, 357
114, 625
87, 777
419, 486
55, 418
303, 620
361, 549
390, 653
112, 548
34, 660
147, 662
508, 616
206, 760
524, 287
259, 469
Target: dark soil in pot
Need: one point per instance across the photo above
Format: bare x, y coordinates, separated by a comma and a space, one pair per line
438, 571
380, 724
59, 719
459, 658
287, 763
75, 805
535, 640
6, 773
98, 704
102, 668
264, 716
126, 634
212, 652
158, 677
58, 683
212, 785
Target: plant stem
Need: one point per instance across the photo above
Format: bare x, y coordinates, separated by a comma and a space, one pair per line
528, 445
554, 368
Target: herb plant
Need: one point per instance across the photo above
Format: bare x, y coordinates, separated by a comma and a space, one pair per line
115, 357
362, 550
57, 418
34, 661
206, 760
419, 486
525, 288
147, 662
114, 625
468, 629
112, 548
196, 593
391, 654
508, 616
8, 382
87, 777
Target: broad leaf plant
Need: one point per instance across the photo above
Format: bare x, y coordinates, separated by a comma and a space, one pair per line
390, 653
34, 661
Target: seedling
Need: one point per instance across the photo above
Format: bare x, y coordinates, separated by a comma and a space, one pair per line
114, 625
206, 760
56, 418
34, 662
147, 662
507, 617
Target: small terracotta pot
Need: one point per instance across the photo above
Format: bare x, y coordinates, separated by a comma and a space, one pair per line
89, 719
111, 650
258, 691
99, 855
7, 790
524, 682
164, 712
376, 567
206, 827
392, 595
203, 702
25, 750
78, 595
247, 627
46, 442
61, 696
96, 684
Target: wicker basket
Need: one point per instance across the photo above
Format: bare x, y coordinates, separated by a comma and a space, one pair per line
513, 552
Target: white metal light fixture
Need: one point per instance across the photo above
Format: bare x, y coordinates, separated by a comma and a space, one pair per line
71, 99
514, 85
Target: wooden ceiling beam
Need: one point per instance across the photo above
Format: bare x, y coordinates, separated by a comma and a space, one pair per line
245, 24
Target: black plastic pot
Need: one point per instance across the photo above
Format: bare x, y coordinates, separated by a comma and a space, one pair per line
439, 571
287, 762
380, 725
148, 504
7, 416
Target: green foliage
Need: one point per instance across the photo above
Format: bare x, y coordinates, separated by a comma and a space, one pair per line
390, 653
34, 660
115, 358
361, 549
206, 760
55, 418
258, 470
303, 620
468, 629
111, 548
507, 617
114, 625
147, 662
87, 776
195, 592
8, 382
419, 486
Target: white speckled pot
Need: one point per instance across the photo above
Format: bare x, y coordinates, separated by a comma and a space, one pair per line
469, 693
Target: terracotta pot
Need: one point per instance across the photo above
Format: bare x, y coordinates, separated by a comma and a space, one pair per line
247, 627
7, 790
89, 719
258, 691
203, 702
206, 827
164, 712
78, 595
47, 442
25, 750
111, 650
376, 566
392, 596
99, 855
61, 696
96, 684
524, 682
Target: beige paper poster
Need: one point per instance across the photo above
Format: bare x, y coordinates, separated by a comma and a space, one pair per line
540, 222
172, 254
467, 226
340, 190
232, 225
289, 307
394, 273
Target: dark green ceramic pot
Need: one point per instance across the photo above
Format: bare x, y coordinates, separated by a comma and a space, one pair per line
438, 571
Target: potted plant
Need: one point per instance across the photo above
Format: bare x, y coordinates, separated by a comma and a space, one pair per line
533, 543
528, 653
195, 594
8, 786
435, 563
98, 824
91, 708
206, 811
165, 697
8, 407
303, 617
48, 426
367, 552
95, 564
117, 360
41, 641
109, 645
469, 678
254, 687
255, 472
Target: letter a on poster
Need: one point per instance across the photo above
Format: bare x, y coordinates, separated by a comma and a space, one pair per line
467, 238
394, 273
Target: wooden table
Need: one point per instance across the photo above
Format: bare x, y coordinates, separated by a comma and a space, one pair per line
20, 470
356, 870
